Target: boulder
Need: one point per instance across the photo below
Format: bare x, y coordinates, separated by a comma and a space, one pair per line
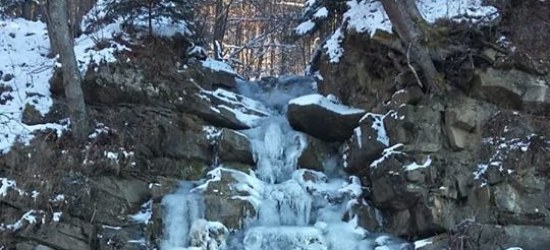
417, 127
211, 78
187, 144
513, 89
319, 117
234, 146
317, 154
463, 120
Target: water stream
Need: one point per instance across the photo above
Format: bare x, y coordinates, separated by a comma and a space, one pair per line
296, 209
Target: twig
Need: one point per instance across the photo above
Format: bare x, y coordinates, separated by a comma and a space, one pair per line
412, 68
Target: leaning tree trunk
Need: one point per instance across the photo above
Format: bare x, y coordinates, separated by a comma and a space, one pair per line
407, 22
59, 33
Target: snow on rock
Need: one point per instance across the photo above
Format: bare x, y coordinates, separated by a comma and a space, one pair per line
30, 217
320, 100
56, 216
456, 10
369, 16
212, 134
218, 66
144, 214
87, 53
386, 154
241, 111
422, 243
333, 46
378, 126
24, 47
414, 165
7, 184
502, 149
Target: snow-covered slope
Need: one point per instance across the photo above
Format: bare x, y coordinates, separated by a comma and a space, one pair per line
369, 16
27, 69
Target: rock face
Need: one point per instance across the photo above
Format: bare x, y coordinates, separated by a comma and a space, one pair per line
317, 116
470, 169
465, 163
417, 127
366, 144
318, 155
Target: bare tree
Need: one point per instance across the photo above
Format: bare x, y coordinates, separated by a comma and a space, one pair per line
408, 24
60, 35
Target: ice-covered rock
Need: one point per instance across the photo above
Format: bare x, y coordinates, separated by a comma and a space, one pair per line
279, 238
208, 235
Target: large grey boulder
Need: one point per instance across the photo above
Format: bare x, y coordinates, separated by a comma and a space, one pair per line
321, 118
317, 155
234, 146
417, 127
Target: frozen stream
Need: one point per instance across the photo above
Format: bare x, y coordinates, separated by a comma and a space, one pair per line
296, 209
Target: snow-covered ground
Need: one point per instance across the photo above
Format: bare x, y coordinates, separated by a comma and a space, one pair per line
24, 47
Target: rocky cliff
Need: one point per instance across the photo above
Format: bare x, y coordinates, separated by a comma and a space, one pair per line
466, 170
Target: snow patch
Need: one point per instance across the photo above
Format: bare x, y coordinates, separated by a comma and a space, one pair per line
386, 154
414, 165
305, 27
29, 217
56, 216
367, 16
333, 46
321, 13
378, 126
143, 216
319, 100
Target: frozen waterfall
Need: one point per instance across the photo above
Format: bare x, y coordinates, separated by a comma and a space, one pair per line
293, 209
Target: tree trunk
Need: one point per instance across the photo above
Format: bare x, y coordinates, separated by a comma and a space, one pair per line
407, 21
60, 35
150, 18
